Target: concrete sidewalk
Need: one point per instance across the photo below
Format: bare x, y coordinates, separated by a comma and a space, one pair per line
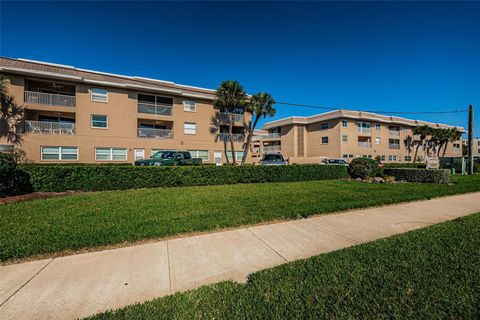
85, 284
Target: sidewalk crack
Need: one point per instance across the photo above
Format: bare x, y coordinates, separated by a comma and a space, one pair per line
169, 269
269, 246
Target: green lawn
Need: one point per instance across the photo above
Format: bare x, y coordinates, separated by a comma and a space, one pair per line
430, 273
88, 220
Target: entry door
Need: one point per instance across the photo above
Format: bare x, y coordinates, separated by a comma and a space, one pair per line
217, 156
139, 154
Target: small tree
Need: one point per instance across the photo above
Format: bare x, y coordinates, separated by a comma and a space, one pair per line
11, 116
423, 132
452, 136
230, 94
260, 105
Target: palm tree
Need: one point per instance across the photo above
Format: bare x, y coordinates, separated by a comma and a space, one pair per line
260, 105
453, 135
230, 94
11, 116
423, 132
409, 144
443, 137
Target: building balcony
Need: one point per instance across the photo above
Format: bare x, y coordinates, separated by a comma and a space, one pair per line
269, 136
44, 127
393, 146
155, 133
276, 148
50, 99
235, 137
394, 133
362, 130
236, 117
155, 109
364, 144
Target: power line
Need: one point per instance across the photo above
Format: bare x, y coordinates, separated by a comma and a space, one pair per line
373, 111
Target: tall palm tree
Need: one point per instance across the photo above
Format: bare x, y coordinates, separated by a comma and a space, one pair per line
409, 144
230, 94
260, 105
423, 132
453, 135
11, 116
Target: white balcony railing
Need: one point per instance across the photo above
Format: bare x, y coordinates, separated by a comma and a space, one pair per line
49, 127
393, 146
364, 144
236, 117
272, 148
235, 137
155, 133
49, 99
152, 108
272, 135
394, 133
364, 130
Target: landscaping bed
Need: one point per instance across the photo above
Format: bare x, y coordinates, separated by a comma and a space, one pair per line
430, 273
91, 220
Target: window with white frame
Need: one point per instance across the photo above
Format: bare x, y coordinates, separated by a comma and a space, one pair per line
344, 138
347, 156
408, 158
190, 128
203, 154
324, 140
392, 158
378, 126
6, 148
99, 121
238, 155
345, 123
99, 95
59, 153
189, 106
111, 154
378, 140
456, 147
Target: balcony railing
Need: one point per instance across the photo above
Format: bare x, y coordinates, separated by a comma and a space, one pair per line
154, 133
236, 117
364, 130
364, 144
394, 133
49, 127
49, 99
272, 135
393, 146
152, 108
272, 148
235, 137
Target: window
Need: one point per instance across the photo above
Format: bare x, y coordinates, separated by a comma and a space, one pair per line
190, 128
404, 129
456, 147
369, 156
382, 158
199, 154
392, 158
345, 123
378, 140
394, 143
59, 153
111, 154
6, 148
153, 151
346, 156
344, 138
189, 106
324, 126
378, 126
99, 121
408, 158
238, 155
324, 140
99, 95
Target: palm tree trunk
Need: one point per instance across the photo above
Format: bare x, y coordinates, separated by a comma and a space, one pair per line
249, 139
230, 136
416, 151
445, 149
225, 150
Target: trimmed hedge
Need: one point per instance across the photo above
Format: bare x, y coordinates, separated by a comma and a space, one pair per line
405, 165
13, 180
419, 175
95, 178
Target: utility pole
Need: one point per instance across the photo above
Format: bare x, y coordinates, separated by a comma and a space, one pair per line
470, 140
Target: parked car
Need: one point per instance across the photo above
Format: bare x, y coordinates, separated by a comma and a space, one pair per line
340, 162
170, 158
273, 159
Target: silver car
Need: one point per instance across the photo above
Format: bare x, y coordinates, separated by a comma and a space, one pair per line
341, 162
273, 159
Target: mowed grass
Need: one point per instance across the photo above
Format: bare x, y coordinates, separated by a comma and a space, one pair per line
76, 222
430, 273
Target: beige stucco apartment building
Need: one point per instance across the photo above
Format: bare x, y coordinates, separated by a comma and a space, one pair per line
78, 115
343, 134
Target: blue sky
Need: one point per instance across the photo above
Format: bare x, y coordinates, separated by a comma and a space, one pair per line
409, 56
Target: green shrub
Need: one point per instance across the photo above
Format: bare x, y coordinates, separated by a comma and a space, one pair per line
405, 165
419, 175
13, 181
94, 177
363, 168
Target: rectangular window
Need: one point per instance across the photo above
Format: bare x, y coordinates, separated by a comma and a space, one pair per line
404, 129
324, 126
203, 154
346, 156
99, 121
378, 140
189, 106
345, 123
6, 148
456, 147
382, 158
189, 128
324, 140
408, 158
111, 154
238, 155
99, 95
344, 138
378, 126
392, 158
394, 143
59, 153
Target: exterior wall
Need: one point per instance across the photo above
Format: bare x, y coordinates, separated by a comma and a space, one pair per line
123, 120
